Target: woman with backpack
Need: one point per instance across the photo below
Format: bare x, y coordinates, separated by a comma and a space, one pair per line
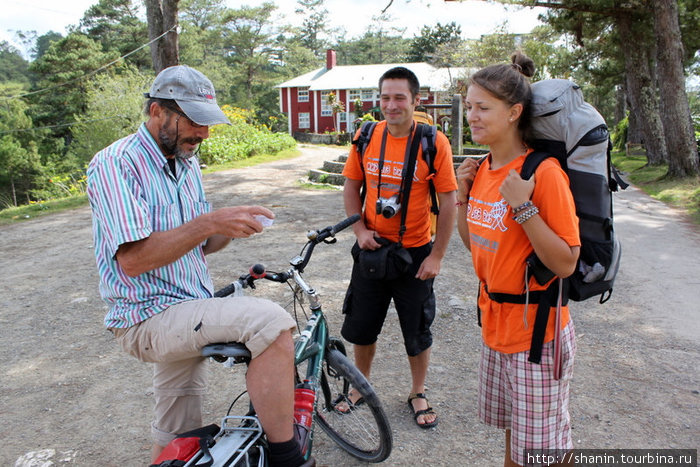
504, 219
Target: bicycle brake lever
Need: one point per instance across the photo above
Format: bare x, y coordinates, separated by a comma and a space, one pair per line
250, 281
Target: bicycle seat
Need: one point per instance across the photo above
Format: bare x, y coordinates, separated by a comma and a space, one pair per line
220, 352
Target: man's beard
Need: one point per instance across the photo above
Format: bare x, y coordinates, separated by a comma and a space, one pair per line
172, 146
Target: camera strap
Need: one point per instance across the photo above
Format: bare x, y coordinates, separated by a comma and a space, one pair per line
382, 151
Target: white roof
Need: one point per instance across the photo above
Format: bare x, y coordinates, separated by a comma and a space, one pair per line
367, 77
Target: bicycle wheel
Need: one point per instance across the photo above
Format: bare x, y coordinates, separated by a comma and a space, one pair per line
364, 431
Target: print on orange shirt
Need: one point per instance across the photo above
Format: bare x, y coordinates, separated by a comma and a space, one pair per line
391, 175
489, 215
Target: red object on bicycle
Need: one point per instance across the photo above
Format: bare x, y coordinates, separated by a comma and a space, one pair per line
186, 445
304, 396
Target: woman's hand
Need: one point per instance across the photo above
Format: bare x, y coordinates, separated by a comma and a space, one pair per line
465, 177
515, 190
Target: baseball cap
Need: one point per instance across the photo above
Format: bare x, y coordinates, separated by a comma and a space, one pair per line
192, 91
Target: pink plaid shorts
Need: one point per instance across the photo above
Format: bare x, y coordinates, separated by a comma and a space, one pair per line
520, 396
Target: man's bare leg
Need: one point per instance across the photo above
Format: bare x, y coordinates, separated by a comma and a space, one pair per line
419, 372
270, 382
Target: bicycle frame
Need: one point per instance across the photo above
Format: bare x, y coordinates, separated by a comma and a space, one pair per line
312, 347
311, 343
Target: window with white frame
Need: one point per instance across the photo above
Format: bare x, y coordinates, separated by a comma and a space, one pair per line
354, 94
368, 94
304, 120
343, 117
302, 94
326, 110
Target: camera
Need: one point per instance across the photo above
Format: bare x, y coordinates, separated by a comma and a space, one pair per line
388, 207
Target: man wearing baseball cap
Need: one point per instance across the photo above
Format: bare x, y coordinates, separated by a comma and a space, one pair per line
152, 228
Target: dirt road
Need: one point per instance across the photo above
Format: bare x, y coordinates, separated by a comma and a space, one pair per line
70, 397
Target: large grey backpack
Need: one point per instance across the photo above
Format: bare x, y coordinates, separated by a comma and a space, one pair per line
571, 130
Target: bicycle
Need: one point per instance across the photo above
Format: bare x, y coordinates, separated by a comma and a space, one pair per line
362, 430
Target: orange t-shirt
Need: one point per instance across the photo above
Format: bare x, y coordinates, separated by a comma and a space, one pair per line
418, 215
499, 247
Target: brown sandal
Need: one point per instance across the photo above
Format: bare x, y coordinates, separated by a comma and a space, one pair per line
418, 413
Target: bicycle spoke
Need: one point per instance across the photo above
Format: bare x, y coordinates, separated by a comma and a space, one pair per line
363, 430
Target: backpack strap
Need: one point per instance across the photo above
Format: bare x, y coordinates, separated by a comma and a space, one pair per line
407, 177
365, 136
615, 180
545, 299
429, 153
360, 145
532, 161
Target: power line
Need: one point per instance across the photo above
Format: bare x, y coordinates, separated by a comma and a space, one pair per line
61, 125
91, 72
28, 5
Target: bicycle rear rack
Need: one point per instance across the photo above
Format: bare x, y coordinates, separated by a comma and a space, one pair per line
233, 444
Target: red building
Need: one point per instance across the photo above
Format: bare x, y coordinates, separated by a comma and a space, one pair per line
305, 98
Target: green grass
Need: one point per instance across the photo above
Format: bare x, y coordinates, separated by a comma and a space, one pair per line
683, 194
34, 210
319, 186
254, 160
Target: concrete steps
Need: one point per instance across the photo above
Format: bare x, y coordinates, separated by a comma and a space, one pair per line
331, 172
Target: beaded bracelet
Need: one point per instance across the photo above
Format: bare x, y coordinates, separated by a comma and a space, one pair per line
525, 215
522, 207
461, 203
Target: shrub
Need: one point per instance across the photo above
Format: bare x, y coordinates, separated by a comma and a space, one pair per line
619, 134
242, 139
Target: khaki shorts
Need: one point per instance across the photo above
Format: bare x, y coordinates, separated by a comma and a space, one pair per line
169, 340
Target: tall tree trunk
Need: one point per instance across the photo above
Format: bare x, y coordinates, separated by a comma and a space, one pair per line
162, 17
634, 130
641, 89
14, 191
678, 126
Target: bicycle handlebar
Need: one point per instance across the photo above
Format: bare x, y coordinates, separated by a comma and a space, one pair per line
330, 231
257, 271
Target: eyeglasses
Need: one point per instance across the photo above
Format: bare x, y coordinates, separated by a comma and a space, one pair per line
180, 113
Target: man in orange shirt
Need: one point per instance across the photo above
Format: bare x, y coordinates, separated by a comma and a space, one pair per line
380, 170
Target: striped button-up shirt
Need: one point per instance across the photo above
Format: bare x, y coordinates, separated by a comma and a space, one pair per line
133, 193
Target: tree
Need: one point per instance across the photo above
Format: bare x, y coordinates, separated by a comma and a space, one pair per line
633, 22
116, 24
375, 46
114, 109
35, 44
491, 48
314, 25
13, 67
162, 21
62, 79
19, 160
249, 43
424, 48
201, 42
677, 121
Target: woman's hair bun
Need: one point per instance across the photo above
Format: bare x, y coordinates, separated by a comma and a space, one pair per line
523, 64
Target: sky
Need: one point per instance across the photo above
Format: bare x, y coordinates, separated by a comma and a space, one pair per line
475, 17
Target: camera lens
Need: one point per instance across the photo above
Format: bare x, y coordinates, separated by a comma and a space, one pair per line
389, 212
